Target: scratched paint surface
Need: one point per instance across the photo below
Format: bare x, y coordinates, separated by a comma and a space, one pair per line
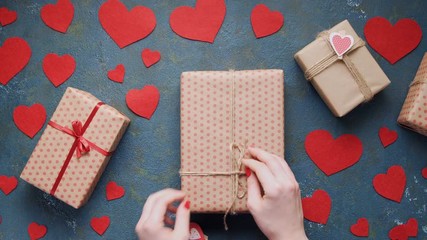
148, 157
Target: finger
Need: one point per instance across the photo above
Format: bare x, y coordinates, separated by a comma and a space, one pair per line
182, 220
263, 173
147, 209
277, 165
168, 196
254, 189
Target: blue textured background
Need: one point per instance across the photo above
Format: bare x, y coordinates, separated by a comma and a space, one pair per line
148, 157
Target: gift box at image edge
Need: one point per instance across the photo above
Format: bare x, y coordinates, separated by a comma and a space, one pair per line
207, 131
414, 110
335, 84
80, 176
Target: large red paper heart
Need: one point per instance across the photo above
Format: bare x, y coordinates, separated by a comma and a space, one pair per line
265, 22
393, 42
403, 231
150, 57
7, 16
387, 136
126, 27
58, 68
196, 232
8, 184
114, 191
330, 155
317, 207
424, 172
29, 119
36, 231
58, 16
201, 23
392, 184
360, 228
15, 53
100, 225
117, 74
143, 102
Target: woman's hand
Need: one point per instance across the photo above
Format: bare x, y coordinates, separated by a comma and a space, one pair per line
151, 225
274, 197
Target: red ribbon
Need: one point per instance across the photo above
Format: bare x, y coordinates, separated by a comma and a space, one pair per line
81, 145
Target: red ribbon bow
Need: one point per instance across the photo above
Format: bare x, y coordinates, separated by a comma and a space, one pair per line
83, 146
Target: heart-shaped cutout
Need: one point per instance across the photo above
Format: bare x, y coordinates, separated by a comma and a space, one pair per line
387, 136
58, 68
393, 42
7, 16
391, 185
58, 16
123, 26
29, 119
330, 155
100, 225
150, 57
36, 231
114, 191
265, 22
360, 228
15, 53
143, 102
317, 207
201, 23
341, 43
404, 231
117, 74
8, 184
196, 232
424, 172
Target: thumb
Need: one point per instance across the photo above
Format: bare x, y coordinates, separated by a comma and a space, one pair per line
254, 188
182, 221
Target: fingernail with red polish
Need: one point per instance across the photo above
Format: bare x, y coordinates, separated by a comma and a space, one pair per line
187, 204
248, 171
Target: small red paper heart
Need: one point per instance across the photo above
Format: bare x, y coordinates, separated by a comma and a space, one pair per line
317, 207
330, 155
15, 53
126, 27
341, 43
424, 172
196, 232
387, 136
100, 225
201, 23
29, 119
7, 16
117, 74
143, 102
8, 184
392, 184
150, 57
264, 21
360, 228
36, 231
58, 16
114, 191
403, 231
58, 68
393, 42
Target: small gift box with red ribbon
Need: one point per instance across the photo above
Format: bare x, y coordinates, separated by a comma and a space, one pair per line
75, 147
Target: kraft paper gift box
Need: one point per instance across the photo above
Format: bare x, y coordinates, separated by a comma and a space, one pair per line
341, 69
414, 111
222, 113
75, 147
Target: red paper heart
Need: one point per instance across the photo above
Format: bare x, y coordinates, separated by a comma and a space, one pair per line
392, 184
393, 42
317, 207
114, 191
196, 232
117, 74
341, 43
424, 172
29, 119
265, 22
126, 27
150, 57
330, 155
100, 225
403, 231
58, 68
201, 23
15, 53
387, 136
58, 16
36, 231
143, 102
7, 16
8, 184
360, 228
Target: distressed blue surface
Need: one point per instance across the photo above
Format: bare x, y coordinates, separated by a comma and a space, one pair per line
148, 157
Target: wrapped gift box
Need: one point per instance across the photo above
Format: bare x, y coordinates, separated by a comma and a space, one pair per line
414, 110
223, 112
346, 82
75, 147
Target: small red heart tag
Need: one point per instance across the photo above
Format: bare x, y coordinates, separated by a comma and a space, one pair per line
114, 191
387, 136
360, 228
8, 184
341, 43
29, 119
100, 225
150, 57
36, 231
58, 16
196, 232
265, 22
317, 207
15, 53
117, 74
7, 16
58, 68
404, 231
424, 172
392, 184
143, 102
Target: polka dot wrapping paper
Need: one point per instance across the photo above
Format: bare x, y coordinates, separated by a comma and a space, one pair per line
223, 112
414, 111
47, 165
